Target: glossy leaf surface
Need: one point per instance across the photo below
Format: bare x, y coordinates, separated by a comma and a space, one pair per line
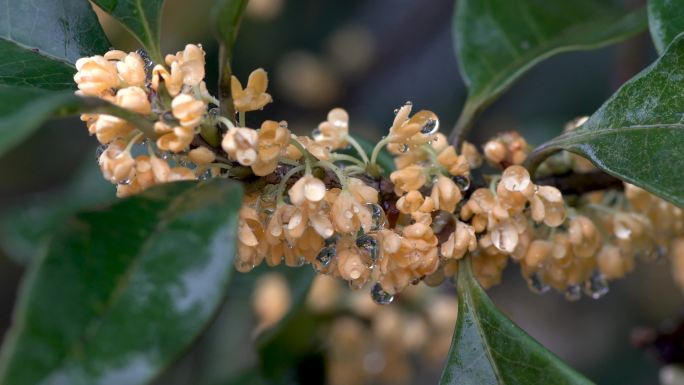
227, 353
488, 348
124, 288
142, 18
39, 39
666, 21
26, 109
638, 134
25, 229
498, 40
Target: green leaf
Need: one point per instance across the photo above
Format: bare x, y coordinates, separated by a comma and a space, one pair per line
666, 21
498, 40
23, 110
39, 38
638, 134
213, 359
227, 15
489, 348
142, 18
24, 230
122, 289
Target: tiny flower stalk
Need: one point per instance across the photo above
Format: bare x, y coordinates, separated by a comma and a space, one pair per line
307, 202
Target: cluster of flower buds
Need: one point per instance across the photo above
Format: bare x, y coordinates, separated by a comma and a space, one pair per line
322, 200
382, 344
172, 97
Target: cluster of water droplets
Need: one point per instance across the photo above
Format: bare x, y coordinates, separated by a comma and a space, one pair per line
595, 287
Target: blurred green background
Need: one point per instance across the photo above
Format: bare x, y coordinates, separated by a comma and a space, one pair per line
370, 57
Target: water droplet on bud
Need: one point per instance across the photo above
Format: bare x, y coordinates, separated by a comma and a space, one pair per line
324, 257
463, 182
403, 148
378, 216
316, 134
124, 182
430, 127
380, 296
596, 286
573, 292
369, 245
536, 284
99, 150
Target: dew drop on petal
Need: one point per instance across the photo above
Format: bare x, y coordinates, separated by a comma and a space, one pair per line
316, 134
536, 284
380, 296
348, 214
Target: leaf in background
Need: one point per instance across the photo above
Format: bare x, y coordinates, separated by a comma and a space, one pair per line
227, 15
227, 353
638, 134
666, 21
498, 40
142, 18
19, 116
39, 39
25, 230
123, 289
488, 348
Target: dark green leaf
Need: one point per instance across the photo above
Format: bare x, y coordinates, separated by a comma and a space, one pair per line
489, 348
23, 110
227, 15
39, 39
213, 359
25, 230
142, 18
498, 40
123, 289
638, 134
666, 21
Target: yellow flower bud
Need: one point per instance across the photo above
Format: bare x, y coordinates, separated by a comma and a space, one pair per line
253, 96
134, 99
96, 76
188, 110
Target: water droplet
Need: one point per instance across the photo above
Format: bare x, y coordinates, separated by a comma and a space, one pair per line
596, 286
430, 127
316, 134
205, 175
380, 296
573, 292
408, 103
165, 155
369, 245
99, 150
536, 284
167, 117
463, 182
348, 214
622, 231
214, 112
282, 124
403, 148
124, 182
331, 241
378, 216
396, 111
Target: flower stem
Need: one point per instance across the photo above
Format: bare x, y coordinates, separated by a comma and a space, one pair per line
340, 175
348, 158
377, 148
283, 182
357, 147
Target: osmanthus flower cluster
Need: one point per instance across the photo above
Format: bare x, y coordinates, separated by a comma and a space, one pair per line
322, 200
